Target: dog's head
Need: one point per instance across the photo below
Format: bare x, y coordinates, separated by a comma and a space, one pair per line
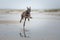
29, 9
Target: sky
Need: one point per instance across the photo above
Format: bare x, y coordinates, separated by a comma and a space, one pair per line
35, 4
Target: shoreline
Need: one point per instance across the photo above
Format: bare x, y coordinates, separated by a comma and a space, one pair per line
9, 22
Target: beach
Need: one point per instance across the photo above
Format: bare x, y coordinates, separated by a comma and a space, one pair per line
42, 26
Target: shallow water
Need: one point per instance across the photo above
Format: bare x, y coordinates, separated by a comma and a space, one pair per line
41, 27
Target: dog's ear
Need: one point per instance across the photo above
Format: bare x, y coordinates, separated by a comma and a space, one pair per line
27, 7
30, 7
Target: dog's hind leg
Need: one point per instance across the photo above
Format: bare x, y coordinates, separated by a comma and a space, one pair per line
21, 18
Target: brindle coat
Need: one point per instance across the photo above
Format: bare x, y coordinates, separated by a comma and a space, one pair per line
26, 14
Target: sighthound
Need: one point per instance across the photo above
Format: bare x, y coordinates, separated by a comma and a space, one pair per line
25, 15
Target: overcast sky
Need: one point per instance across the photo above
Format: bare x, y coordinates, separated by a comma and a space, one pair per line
35, 4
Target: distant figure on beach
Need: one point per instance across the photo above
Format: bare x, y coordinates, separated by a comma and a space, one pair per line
26, 14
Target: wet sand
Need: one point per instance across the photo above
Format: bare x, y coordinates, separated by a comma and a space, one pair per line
41, 27
9, 22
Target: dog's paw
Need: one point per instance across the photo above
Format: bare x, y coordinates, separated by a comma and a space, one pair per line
31, 17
